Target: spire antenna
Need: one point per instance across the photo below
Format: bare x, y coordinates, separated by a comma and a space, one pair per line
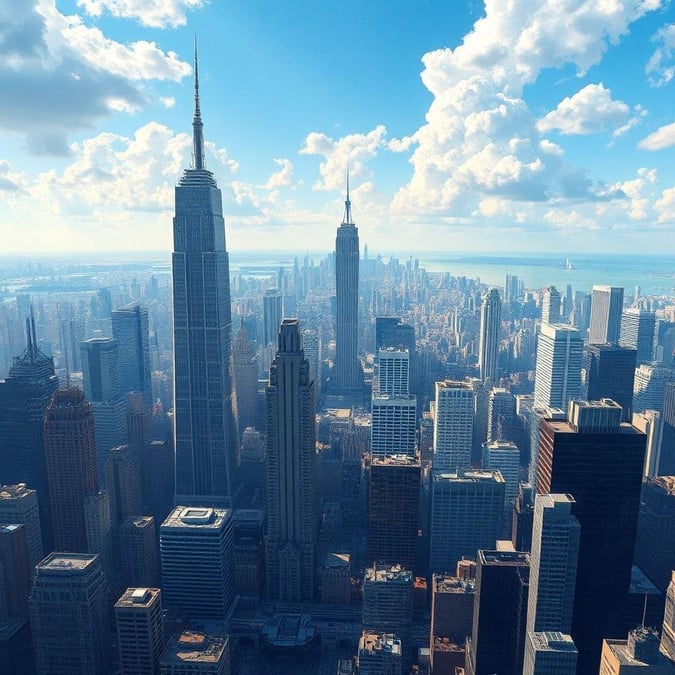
348, 204
197, 125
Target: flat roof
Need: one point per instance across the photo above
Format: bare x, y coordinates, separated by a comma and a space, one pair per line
387, 573
197, 517
194, 647
552, 641
468, 476
138, 597
15, 491
67, 562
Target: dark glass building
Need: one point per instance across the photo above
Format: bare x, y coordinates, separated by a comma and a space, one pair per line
598, 460
130, 329
610, 371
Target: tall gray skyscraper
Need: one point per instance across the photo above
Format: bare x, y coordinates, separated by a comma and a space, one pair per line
291, 526
637, 331
272, 315
550, 305
347, 368
606, 309
204, 406
553, 564
130, 329
488, 347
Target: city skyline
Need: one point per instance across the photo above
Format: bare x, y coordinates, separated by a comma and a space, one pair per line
538, 146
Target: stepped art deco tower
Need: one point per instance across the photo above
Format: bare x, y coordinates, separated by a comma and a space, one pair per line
347, 368
206, 436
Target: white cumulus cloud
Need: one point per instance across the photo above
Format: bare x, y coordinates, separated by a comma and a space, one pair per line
664, 137
661, 66
155, 13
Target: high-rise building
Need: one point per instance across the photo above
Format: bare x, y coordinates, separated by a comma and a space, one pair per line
123, 482
245, 369
466, 515
292, 522
598, 460
502, 421
197, 561
311, 344
650, 423
138, 552
206, 435
130, 329
500, 609
667, 459
504, 456
523, 518
451, 607
249, 552
610, 371
100, 365
387, 599
336, 579
140, 635
379, 654
70, 447
550, 653
668, 630
655, 536
393, 516
394, 425
347, 367
24, 396
272, 315
553, 564
558, 370
453, 425
606, 309
550, 305
15, 572
69, 615
392, 372
391, 331
490, 327
649, 388
637, 332
511, 288
19, 504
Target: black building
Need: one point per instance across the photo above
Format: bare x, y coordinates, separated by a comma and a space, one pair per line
610, 371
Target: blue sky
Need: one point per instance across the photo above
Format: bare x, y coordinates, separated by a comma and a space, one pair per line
530, 125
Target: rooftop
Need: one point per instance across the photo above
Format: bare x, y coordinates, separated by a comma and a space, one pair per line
379, 642
194, 647
442, 583
337, 560
388, 573
504, 557
15, 491
468, 476
138, 597
197, 517
396, 460
552, 641
289, 630
66, 562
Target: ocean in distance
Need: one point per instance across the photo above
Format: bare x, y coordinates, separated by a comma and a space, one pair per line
654, 274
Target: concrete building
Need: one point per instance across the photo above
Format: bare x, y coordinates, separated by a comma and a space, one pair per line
15, 572
637, 654
393, 513
650, 423
606, 310
123, 483
453, 425
69, 615
19, 504
138, 552
637, 332
291, 483
130, 330
550, 653
387, 600
466, 515
272, 315
553, 564
394, 425
668, 629
504, 456
196, 653
140, 634
649, 388
245, 371
502, 421
249, 552
490, 327
558, 368
550, 305
452, 601
197, 561
379, 654
392, 372
336, 579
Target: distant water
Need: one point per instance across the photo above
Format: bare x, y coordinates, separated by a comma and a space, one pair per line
654, 274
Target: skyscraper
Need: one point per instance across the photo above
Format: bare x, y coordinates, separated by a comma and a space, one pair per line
24, 397
649, 387
272, 315
558, 370
19, 504
69, 615
393, 515
550, 305
502, 421
100, 365
291, 528
550, 653
598, 460
206, 436
610, 372
553, 564
490, 326
392, 372
70, 447
130, 329
198, 561
394, 424
637, 332
347, 366
245, 367
453, 425
606, 309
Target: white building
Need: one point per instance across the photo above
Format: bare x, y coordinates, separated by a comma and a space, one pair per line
558, 369
393, 427
504, 456
453, 425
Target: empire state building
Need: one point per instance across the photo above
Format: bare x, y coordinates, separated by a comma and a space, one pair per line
206, 435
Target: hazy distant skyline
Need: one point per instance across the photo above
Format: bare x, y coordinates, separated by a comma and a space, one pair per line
504, 127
